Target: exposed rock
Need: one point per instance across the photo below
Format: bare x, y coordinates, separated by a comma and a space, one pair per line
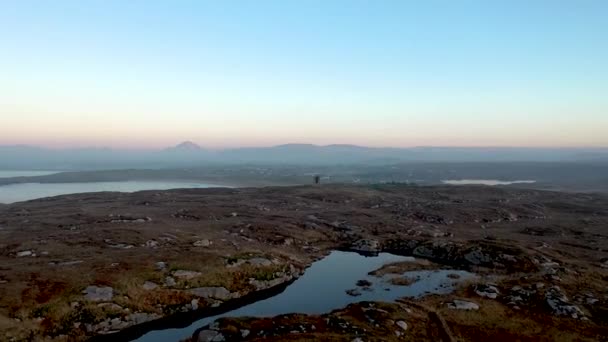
401, 324
353, 292
161, 265
259, 262
184, 274
120, 245
366, 246
560, 305
148, 285
364, 283
519, 295
98, 294
508, 257
266, 284
24, 254
424, 252
462, 305
210, 336
477, 257
151, 244
141, 317
220, 293
202, 243
487, 290
194, 304
245, 333
170, 281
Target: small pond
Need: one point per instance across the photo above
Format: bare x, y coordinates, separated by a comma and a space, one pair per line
323, 287
484, 182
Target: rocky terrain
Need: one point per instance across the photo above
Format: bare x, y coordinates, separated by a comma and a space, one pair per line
77, 266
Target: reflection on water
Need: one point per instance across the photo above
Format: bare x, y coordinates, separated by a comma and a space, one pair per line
323, 288
485, 182
27, 191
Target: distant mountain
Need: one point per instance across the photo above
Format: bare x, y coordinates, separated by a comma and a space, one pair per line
186, 146
189, 154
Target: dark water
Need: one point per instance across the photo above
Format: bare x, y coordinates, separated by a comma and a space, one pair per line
322, 289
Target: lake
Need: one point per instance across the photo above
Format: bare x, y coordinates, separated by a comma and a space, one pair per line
27, 191
11, 173
323, 287
485, 182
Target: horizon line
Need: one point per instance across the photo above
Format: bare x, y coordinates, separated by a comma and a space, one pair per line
202, 147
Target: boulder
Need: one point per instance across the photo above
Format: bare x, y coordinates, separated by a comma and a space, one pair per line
353, 292
220, 293
184, 274
194, 304
266, 284
202, 243
458, 304
24, 254
148, 285
560, 305
98, 294
487, 290
151, 244
366, 246
477, 257
364, 283
401, 324
141, 317
210, 336
170, 281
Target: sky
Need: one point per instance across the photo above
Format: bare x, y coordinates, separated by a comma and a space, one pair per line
148, 74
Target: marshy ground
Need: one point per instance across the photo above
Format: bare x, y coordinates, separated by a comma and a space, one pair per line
77, 266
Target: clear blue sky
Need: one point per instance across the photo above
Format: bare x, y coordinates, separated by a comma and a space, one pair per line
244, 73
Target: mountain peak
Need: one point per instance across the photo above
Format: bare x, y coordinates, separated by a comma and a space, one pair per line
187, 146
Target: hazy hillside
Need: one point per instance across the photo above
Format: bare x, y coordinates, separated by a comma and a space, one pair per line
190, 154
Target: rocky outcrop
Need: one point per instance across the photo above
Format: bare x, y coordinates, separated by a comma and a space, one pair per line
470, 254
148, 285
280, 278
560, 305
366, 246
220, 293
486, 290
112, 325
353, 292
202, 243
98, 294
458, 304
